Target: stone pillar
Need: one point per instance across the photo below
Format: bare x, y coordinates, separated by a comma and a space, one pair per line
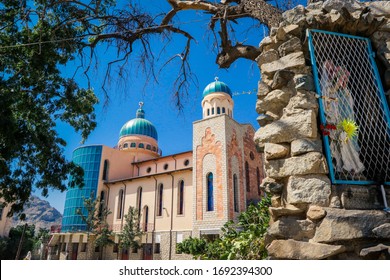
306, 219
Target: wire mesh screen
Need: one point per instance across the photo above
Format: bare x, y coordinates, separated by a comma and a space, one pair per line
354, 113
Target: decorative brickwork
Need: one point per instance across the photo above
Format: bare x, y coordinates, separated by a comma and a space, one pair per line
209, 146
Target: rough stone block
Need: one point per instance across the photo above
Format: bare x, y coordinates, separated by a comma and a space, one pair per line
273, 101
267, 57
288, 210
291, 228
299, 250
275, 151
310, 189
264, 119
383, 231
379, 8
351, 5
348, 225
263, 89
282, 78
310, 163
270, 185
302, 146
315, 212
290, 61
303, 100
287, 129
375, 252
292, 45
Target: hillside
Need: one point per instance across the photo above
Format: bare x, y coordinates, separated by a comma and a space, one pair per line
40, 213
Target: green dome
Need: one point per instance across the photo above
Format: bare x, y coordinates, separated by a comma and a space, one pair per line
217, 86
139, 126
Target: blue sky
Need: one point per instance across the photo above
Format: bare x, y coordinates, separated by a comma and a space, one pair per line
174, 128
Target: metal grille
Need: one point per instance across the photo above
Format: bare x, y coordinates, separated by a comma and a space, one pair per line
355, 119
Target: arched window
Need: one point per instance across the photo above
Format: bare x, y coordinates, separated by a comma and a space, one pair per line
180, 198
235, 193
210, 192
212, 111
218, 110
146, 218
154, 149
148, 147
258, 181
139, 199
208, 112
141, 145
125, 145
105, 170
120, 205
160, 199
101, 204
248, 182
133, 145
223, 110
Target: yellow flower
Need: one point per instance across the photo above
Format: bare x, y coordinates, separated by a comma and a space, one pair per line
349, 127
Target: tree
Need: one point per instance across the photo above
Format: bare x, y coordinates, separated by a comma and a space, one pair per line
94, 215
34, 95
243, 240
9, 245
131, 232
39, 38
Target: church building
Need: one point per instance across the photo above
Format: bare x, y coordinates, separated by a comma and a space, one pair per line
193, 193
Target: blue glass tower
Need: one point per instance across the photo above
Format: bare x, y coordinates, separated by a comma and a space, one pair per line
89, 158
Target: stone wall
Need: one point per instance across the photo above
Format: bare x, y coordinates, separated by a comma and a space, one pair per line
311, 219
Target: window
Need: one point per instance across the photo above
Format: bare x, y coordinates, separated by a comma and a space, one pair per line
120, 205
83, 247
139, 199
223, 110
248, 182
115, 248
148, 147
258, 181
148, 170
126, 145
186, 162
235, 193
1, 211
133, 145
252, 155
210, 192
160, 199
166, 166
134, 250
208, 112
157, 248
141, 146
101, 206
146, 218
212, 111
154, 149
180, 199
105, 170
218, 110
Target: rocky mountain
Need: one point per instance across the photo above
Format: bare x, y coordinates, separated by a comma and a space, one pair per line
40, 213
